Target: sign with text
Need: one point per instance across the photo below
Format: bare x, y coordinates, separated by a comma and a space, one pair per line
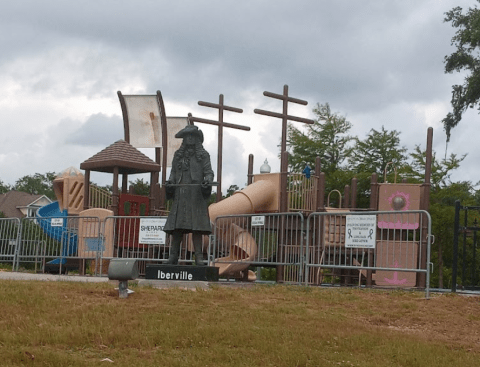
186, 273
56, 222
151, 231
258, 220
360, 231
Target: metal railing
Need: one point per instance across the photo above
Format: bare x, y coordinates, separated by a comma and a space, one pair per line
9, 237
52, 241
269, 240
393, 248
143, 239
465, 251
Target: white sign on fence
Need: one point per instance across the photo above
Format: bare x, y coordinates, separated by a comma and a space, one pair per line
151, 231
360, 231
258, 220
56, 222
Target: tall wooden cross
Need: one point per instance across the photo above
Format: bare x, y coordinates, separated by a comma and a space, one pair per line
221, 124
283, 154
285, 117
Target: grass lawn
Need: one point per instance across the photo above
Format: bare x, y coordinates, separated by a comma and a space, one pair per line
78, 324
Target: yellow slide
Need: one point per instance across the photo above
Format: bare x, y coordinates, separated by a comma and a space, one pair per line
257, 197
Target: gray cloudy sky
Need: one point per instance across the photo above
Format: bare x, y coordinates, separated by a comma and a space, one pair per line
379, 62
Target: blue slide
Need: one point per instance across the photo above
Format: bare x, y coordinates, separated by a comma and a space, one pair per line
58, 231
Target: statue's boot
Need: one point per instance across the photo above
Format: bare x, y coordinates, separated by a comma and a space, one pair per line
197, 243
174, 249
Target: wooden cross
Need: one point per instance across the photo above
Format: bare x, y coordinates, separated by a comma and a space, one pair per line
221, 124
284, 116
283, 154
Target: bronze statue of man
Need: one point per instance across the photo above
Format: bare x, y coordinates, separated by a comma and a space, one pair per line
190, 187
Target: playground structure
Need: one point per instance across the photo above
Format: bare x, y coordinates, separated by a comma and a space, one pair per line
97, 226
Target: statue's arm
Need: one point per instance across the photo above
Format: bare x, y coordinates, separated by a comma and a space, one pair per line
207, 169
207, 178
169, 189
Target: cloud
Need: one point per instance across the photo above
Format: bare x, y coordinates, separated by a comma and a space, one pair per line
378, 63
99, 131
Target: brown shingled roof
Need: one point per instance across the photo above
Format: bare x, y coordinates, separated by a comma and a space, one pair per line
120, 154
12, 200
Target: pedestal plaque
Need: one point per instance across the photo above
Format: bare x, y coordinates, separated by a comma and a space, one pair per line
182, 273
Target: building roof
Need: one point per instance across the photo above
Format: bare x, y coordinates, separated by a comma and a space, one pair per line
11, 201
120, 154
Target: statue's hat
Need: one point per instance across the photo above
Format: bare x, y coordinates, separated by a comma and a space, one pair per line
190, 129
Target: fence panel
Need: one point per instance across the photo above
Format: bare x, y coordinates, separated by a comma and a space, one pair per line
264, 241
465, 251
397, 252
344, 247
143, 239
9, 238
56, 243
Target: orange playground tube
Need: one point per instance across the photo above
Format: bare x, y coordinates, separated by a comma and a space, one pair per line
254, 198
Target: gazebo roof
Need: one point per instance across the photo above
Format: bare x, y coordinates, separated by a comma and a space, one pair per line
120, 154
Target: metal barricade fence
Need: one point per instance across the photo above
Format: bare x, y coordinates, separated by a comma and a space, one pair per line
141, 238
398, 250
346, 246
53, 241
263, 241
9, 237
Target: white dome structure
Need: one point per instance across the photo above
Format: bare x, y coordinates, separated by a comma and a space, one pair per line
265, 168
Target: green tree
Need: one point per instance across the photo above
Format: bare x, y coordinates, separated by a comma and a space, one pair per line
442, 211
4, 188
377, 150
231, 190
213, 198
327, 138
140, 187
465, 59
37, 184
441, 170
372, 155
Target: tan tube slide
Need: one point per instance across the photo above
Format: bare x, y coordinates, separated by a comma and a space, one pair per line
243, 248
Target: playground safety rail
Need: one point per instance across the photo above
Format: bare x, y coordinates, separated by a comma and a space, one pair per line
302, 193
99, 198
